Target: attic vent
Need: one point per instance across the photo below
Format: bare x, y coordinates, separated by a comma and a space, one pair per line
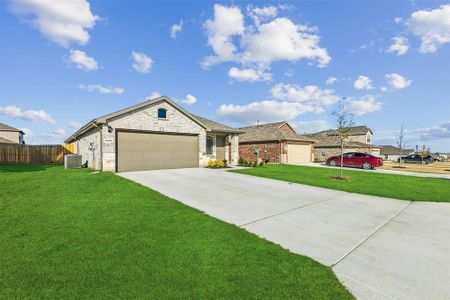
72, 161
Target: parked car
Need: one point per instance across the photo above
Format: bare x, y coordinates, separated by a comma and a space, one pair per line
417, 159
356, 159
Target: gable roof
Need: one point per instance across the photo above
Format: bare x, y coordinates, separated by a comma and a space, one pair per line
217, 127
4, 127
355, 130
391, 150
271, 132
104, 119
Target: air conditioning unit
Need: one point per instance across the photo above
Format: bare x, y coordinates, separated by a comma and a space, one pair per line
72, 161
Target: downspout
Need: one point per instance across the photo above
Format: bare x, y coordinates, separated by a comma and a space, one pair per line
281, 151
101, 146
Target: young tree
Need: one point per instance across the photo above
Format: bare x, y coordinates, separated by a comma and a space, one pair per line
401, 143
344, 122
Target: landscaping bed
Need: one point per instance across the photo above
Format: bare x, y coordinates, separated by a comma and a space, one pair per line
77, 234
385, 185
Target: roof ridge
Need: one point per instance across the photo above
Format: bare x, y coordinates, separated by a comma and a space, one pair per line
265, 124
4, 126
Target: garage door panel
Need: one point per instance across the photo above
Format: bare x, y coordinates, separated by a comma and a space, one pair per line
299, 154
154, 151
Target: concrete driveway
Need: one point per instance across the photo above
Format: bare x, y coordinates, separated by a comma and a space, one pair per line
379, 248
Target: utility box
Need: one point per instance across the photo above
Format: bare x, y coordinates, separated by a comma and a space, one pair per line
72, 161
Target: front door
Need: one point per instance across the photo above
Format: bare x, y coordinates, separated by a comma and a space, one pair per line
220, 147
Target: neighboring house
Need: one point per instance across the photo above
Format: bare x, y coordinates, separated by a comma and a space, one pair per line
156, 134
327, 142
392, 153
11, 135
276, 143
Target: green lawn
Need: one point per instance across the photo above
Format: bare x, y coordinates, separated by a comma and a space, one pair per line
71, 234
370, 183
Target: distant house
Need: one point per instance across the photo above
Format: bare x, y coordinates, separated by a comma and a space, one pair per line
276, 143
10, 135
392, 153
327, 143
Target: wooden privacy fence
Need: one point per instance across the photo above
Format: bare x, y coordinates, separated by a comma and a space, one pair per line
34, 154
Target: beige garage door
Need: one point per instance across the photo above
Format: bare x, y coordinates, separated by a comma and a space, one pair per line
299, 154
138, 151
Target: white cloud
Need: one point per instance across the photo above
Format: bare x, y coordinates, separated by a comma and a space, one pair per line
58, 133
364, 105
74, 125
141, 62
281, 39
441, 131
63, 22
27, 131
15, 112
227, 22
153, 95
397, 81
189, 100
313, 126
398, 20
264, 13
262, 43
176, 28
432, 27
331, 80
249, 74
310, 94
101, 89
289, 73
363, 83
264, 111
399, 46
82, 61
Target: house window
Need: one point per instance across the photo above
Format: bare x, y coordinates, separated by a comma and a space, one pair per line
162, 113
209, 145
368, 139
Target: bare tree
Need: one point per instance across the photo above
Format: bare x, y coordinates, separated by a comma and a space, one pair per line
344, 121
401, 143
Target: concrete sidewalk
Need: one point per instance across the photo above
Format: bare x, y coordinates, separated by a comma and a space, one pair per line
383, 171
378, 247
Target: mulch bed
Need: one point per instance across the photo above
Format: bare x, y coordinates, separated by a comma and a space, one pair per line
339, 178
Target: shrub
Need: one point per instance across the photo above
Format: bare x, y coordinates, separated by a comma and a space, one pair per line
241, 161
225, 162
220, 163
261, 164
211, 164
255, 164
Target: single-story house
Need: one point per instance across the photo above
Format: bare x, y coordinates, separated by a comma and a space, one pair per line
276, 143
11, 135
327, 143
392, 153
156, 134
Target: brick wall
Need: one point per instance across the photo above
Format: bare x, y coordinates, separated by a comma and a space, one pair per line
267, 150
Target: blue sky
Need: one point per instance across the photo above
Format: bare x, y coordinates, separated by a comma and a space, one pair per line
64, 63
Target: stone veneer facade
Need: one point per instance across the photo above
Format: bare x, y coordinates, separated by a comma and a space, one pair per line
146, 119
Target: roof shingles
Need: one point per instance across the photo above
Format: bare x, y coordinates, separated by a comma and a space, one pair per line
270, 132
4, 127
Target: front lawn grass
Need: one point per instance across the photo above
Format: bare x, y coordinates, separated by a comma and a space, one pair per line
385, 185
75, 235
